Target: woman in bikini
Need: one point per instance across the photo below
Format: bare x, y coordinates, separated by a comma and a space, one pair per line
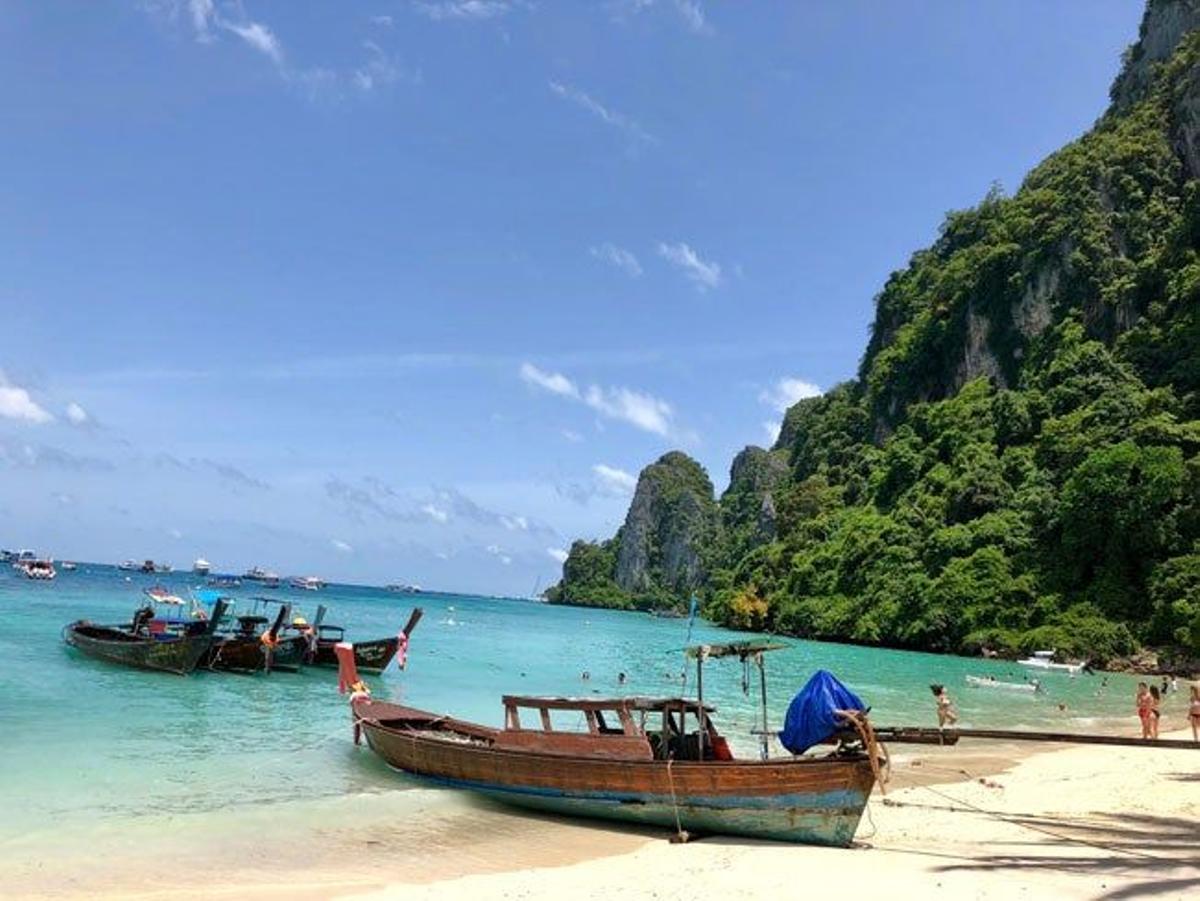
1155, 710
1194, 711
1144, 702
946, 713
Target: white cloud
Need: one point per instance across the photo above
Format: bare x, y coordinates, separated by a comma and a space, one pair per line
258, 36
77, 415
646, 412
175, 533
558, 554
704, 274
554, 382
202, 12
463, 9
571, 435
641, 410
341, 546
15, 403
437, 514
515, 523
786, 392
380, 70
382, 21
608, 116
619, 257
498, 552
617, 481
693, 16
772, 427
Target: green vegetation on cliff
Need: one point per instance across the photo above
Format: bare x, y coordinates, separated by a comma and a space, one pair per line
1017, 464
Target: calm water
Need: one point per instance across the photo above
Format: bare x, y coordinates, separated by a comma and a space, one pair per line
83, 743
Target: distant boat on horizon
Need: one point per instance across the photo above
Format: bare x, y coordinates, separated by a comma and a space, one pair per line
402, 588
262, 576
307, 583
201, 566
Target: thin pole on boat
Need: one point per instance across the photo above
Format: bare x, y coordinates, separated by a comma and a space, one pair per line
765, 737
700, 698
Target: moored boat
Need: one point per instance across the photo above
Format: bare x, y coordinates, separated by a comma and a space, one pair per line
256, 643
307, 583
657, 761
1045, 660
263, 576
201, 567
148, 642
372, 656
38, 570
129, 566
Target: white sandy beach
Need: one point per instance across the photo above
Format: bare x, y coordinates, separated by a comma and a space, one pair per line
1078, 822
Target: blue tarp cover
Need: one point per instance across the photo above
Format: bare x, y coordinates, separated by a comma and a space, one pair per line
811, 718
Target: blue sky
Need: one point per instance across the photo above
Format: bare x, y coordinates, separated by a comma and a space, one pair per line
390, 290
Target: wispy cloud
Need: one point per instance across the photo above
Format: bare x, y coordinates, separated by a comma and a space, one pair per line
615, 480
557, 553
554, 382
692, 15
617, 256
704, 274
772, 428
436, 513
689, 12
77, 415
605, 114
16, 403
381, 69
21, 455
342, 547
258, 36
469, 10
498, 552
785, 392
225, 471
382, 21
644, 411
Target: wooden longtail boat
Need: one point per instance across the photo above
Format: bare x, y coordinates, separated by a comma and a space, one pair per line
638, 761
370, 657
174, 650
252, 647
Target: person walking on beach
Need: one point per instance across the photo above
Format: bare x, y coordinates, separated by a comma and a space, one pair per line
946, 713
1143, 702
1194, 711
1155, 710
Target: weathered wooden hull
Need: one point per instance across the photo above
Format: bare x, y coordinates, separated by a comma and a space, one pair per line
370, 657
179, 656
803, 800
249, 655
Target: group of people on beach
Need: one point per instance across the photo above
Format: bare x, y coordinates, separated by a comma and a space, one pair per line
1148, 702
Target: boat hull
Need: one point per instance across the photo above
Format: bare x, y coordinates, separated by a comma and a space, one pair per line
803, 800
179, 656
249, 655
370, 657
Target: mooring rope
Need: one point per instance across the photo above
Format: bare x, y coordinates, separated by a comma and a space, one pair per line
680, 835
874, 748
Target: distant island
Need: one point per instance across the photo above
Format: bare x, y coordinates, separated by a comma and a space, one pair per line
1017, 464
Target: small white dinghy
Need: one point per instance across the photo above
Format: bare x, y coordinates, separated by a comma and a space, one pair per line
980, 682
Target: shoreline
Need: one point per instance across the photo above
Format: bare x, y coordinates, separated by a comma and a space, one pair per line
439, 844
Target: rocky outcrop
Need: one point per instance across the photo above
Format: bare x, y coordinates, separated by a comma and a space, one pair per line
670, 526
748, 504
978, 359
1163, 26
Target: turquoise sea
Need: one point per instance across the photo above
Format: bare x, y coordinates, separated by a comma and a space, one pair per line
91, 751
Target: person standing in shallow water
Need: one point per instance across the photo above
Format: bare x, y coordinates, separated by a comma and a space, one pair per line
1155, 710
946, 714
1144, 703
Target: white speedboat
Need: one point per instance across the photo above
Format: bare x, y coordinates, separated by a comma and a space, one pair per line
991, 682
307, 583
201, 567
1045, 660
40, 570
129, 566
